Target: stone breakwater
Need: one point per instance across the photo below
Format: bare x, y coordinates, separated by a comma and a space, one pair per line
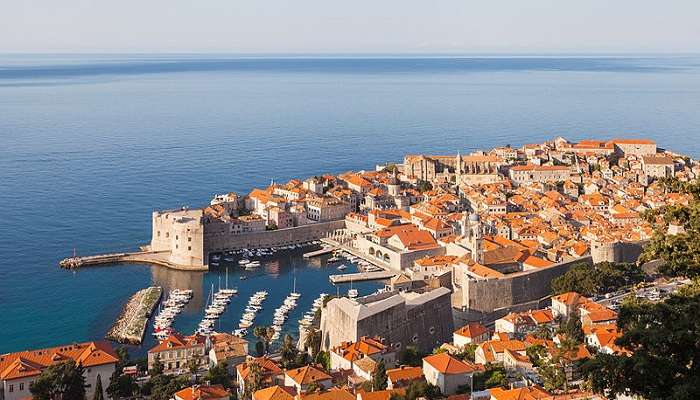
131, 325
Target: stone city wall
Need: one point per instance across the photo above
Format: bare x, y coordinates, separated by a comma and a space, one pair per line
525, 288
220, 241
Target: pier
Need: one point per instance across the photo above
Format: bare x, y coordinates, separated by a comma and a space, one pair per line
140, 257
361, 276
131, 324
325, 250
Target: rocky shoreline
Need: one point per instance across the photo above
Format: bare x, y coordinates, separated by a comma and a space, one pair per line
130, 327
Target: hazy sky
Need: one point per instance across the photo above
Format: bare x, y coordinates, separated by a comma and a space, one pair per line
349, 26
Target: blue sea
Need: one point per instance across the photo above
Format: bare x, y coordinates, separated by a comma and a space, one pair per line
92, 144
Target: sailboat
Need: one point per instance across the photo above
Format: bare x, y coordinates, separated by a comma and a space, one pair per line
352, 293
294, 293
227, 290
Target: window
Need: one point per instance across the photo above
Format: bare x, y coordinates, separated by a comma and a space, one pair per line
189, 248
167, 234
21, 386
189, 239
12, 388
177, 237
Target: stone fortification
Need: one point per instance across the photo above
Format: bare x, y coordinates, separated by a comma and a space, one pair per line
423, 320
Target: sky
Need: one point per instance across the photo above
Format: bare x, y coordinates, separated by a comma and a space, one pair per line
352, 26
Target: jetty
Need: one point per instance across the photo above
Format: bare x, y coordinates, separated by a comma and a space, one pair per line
361, 276
316, 253
130, 327
139, 257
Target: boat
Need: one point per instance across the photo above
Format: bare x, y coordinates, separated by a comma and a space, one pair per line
240, 332
252, 265
294, 295
244, 261
342, 267
333, 259
352, 293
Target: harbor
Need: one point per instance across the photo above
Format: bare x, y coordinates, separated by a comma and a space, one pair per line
260, 292
131, 325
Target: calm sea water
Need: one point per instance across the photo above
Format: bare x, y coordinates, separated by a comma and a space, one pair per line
92, 144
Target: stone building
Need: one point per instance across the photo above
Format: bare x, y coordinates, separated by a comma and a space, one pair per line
524, 174
176, 351
637, 147
658, 166
423, 319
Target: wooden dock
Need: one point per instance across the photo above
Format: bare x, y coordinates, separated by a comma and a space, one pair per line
361, 276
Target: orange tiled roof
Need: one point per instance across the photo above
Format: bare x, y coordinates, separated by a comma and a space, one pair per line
307, 374
203, 393
471, 330
178, 341
31, 362
333, 393
272, 393
446, 364
404, 373
525, 393
268, 366
365, 346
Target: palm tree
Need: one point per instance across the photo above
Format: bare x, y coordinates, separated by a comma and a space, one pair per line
265, 334
253, 382
312, 341
289, 351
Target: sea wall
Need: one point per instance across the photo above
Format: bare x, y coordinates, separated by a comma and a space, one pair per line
215, 241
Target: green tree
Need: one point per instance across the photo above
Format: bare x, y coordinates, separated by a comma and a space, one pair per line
493, 376
468, 353
60, 381
323, 358
193, 367
312, 340
254, 379
164, 387
218, 375
121, 385
157, 368
664, 341
264, 334
597, 279
410, 356
680, 253
289, 352
99, 391
379, 378
572, 329
424, 186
